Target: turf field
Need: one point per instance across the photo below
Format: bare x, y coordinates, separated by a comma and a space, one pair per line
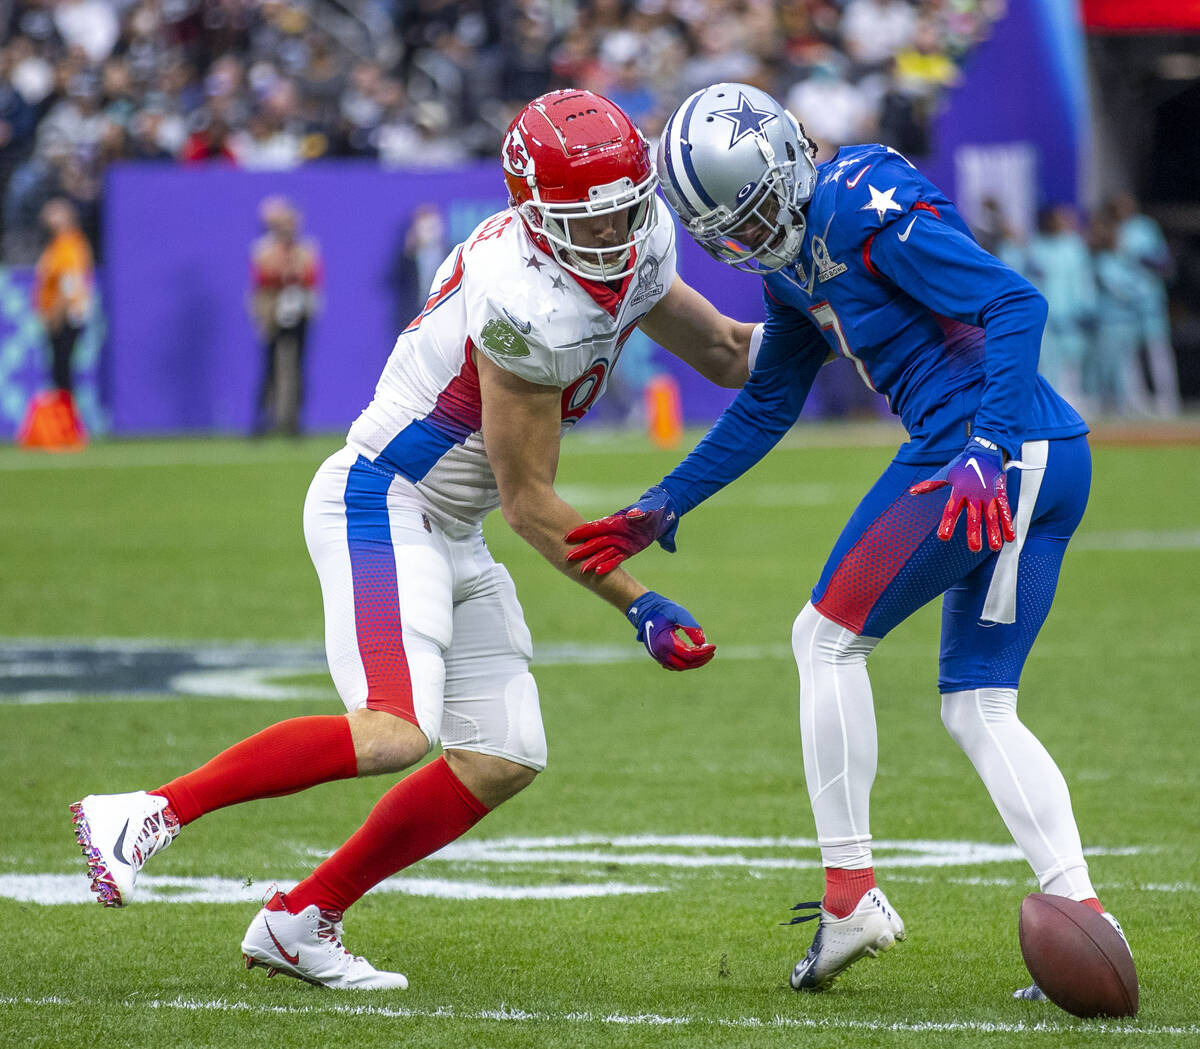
157, 603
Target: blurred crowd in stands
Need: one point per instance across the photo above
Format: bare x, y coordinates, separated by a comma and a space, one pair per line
1107, 343
270, 84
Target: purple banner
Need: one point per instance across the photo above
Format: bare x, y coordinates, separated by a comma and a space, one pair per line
1024, 84
183, 354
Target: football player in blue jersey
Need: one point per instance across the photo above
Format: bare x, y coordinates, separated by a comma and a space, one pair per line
862, 257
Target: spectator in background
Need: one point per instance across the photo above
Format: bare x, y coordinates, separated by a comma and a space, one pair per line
421, 251
997, 236
919, 75
90, 25
875, 30
1058, 265
1112, 373
270, 85
286, 280
1140, 238
63, 287
209, 140
838, 112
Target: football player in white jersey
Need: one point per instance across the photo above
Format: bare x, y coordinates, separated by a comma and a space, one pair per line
425, 638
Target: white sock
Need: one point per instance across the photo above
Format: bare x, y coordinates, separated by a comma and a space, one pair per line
1026, 785
837, 729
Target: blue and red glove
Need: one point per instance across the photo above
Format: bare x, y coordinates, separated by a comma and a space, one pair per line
657, 621
610, 540
976, 481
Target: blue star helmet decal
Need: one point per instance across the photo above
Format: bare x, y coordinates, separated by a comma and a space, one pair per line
745, 118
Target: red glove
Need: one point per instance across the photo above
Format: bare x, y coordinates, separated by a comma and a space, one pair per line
610, 540
976, 480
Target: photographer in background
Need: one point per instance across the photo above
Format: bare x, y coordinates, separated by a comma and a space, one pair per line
285, 281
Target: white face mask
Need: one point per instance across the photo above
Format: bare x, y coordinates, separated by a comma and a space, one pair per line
607, 262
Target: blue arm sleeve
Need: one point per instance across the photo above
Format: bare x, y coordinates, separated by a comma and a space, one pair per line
766, 408
945, 270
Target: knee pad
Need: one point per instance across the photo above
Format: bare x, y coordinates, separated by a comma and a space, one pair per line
506, 723
816, 639
526, 742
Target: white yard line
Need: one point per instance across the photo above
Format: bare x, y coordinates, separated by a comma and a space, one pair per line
510, 1015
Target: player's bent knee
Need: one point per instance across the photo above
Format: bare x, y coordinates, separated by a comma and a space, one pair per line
385, 742
967, 713
820, 641
491, 779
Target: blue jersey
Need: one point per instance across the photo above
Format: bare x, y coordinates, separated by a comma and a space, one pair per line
890, 277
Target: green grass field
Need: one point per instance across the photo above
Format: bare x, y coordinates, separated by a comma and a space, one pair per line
633, 896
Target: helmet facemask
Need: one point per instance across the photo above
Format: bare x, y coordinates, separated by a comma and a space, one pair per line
769, 205
559, 224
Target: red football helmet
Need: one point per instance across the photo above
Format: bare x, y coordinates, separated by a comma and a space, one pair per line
574, 155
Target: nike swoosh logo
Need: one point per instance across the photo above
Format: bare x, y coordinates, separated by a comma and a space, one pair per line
524, 327
119, 848
852, 182
291, 959
975, 466
904, 235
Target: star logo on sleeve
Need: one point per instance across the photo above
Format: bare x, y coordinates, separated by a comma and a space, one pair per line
881, 203
745, 118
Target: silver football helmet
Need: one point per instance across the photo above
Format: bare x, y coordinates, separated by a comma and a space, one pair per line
737, 169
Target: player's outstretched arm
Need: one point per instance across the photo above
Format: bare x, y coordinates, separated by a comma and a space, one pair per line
521, 431
605, 543
789, 354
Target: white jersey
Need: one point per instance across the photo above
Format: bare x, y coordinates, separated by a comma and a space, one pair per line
498, 294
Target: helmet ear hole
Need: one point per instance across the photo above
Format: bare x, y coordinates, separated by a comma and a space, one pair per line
791, 152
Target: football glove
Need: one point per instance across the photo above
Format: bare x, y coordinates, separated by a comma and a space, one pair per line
976, 480
657, 621
602, 545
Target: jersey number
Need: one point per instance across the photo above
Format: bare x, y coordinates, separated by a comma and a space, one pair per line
582, 393
493, 227
825, 317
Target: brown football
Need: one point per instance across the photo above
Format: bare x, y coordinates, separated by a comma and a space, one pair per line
1076, 957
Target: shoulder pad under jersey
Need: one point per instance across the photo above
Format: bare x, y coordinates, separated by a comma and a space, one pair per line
860, 191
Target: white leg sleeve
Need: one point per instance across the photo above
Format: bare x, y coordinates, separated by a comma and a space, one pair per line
1026, 785
837, 728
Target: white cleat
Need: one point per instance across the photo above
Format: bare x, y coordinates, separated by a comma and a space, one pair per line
118, 834
839, 942
1033, 993
309, 947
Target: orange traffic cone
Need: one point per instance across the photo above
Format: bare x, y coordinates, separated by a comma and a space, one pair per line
664, 411
52, 423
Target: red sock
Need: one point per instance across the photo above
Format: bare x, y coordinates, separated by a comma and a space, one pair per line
417, 816
1094, 904
283, 759
844, 888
